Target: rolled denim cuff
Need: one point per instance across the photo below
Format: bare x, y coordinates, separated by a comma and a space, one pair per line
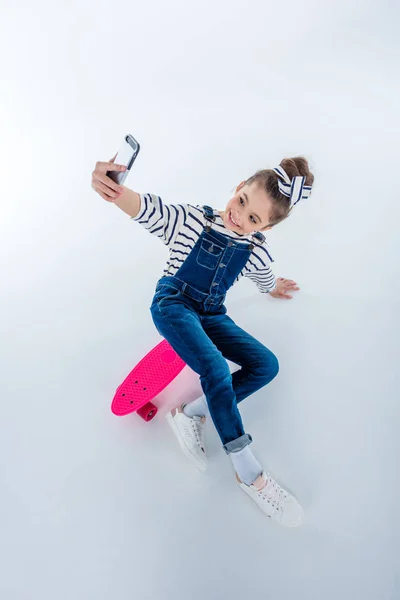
238, 444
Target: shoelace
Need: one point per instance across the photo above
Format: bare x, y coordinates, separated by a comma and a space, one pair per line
273, 492
198, 428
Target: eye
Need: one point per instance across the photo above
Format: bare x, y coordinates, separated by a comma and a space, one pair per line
254, 221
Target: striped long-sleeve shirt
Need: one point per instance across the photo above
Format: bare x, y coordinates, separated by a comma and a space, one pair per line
179, 226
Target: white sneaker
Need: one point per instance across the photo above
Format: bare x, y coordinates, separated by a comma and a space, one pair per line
190, 435
274, 501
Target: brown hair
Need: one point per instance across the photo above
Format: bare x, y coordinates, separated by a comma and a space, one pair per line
267, 179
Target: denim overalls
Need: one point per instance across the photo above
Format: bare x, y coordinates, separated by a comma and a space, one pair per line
188, 310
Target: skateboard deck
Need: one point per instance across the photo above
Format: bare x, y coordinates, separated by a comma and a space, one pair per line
150, 376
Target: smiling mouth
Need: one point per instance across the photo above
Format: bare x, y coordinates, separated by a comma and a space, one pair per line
231, 221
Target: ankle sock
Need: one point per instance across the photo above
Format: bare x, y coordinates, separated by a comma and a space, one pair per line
198, 408
246, 465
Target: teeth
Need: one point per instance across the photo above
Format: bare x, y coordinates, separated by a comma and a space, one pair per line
233, 221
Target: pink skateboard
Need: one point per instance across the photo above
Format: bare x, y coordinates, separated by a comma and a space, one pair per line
150, 376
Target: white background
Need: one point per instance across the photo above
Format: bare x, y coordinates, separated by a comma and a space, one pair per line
97, 507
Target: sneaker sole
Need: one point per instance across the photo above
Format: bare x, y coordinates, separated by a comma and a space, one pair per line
184, 449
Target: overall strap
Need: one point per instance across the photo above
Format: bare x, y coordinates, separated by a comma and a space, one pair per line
259, 236
209, 215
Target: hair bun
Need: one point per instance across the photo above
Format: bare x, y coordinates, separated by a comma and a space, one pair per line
297, 165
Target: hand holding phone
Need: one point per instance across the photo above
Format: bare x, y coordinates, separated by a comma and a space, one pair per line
126, 156
108, 177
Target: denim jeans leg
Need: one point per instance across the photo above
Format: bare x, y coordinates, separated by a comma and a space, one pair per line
259, 366
180, 325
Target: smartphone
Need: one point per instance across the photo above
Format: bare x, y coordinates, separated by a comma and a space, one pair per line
126, 156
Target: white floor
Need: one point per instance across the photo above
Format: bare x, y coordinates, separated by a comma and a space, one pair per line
94, 506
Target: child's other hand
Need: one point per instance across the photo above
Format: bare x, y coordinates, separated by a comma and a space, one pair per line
282, 288
104, 185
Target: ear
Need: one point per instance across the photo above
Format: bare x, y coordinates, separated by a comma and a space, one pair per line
267, 228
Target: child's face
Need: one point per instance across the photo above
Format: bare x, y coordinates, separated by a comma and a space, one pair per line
250, 209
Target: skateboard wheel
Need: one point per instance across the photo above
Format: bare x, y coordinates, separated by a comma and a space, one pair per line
169, 356
148, 411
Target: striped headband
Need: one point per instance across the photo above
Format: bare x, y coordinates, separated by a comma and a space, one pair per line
293, 189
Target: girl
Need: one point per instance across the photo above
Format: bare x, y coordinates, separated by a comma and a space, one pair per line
209, 251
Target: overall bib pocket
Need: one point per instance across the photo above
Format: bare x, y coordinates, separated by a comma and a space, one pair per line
209, 254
